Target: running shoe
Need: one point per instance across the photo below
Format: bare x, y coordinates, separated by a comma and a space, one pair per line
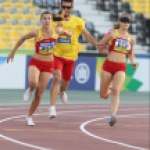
52, 113
63, 97
27, 95
30, 121
112, 121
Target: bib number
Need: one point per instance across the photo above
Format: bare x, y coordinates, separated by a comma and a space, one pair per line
122, 44
46, 47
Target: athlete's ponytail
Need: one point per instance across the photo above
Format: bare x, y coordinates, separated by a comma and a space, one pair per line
57, 17
116, 25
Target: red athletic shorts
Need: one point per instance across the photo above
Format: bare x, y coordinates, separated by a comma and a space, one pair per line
113, 67
43, 66
65, 66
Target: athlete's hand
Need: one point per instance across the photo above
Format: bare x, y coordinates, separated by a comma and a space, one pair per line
134, 65
59, 24
70, 34
10, 57
102, 48
72, 31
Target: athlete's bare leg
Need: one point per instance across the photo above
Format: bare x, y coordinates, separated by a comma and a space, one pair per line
33, 77
118, 81
105, 81
66, 77
43, 81
64, 85
54, 90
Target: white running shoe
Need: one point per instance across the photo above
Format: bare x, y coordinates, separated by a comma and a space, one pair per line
52, 113
63, 97
27, 95
30, 121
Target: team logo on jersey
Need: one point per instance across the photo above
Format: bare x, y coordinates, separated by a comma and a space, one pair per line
82, 73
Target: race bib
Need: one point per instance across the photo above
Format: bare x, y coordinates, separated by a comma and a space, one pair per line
64, 40
122, 45
46, 46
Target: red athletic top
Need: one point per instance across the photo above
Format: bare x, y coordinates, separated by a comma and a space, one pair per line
45, 46
119, 44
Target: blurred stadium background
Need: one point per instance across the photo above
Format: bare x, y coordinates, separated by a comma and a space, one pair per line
17, 17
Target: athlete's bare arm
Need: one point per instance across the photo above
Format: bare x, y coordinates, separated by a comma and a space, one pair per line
131, 54
107, 38
29, 35
104, 41
32, 34
89, 37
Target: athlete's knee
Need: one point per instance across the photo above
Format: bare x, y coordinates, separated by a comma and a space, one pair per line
56, 77
32, 85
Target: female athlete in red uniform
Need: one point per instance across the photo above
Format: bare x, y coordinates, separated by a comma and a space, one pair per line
42, 63
120, 43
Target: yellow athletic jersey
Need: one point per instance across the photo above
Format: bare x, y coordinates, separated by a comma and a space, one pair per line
69, 47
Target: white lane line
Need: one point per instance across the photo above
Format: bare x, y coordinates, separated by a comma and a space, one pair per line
37, 147
82, 127
26, 144
20, 142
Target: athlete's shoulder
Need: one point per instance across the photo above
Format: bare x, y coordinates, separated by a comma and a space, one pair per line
35, 31
73, 16
77, 18
111, 33
114, 33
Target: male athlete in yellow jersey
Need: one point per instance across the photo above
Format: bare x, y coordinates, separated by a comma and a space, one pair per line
66, 52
